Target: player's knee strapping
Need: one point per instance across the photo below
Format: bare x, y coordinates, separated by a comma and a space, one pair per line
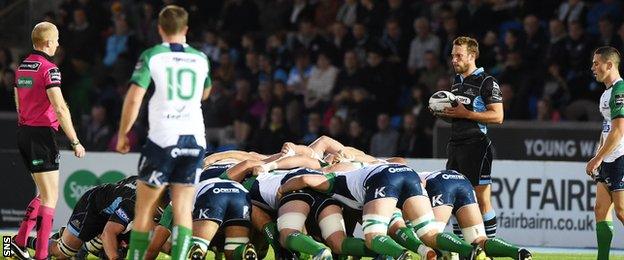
372, 223
424, 224
474, 232
291, 220
231, 243
331, 224
65, 249
396, 217
489, 220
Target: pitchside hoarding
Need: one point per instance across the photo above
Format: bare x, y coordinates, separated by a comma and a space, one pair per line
541, 203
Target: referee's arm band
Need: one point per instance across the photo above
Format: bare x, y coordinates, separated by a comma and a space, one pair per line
54, 85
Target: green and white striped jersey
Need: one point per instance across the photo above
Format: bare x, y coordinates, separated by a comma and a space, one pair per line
180, 75
612, 107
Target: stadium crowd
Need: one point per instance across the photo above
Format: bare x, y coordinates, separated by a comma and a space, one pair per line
360, 71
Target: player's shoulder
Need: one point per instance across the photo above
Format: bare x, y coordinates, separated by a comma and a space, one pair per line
154, 50
618, 87
191, 50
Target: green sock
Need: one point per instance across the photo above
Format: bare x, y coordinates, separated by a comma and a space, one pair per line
302, 243
181, 241
450, 242
139, 241
500, 248
406, 237
604, 234
271, 235
355, 247
386, 246
239, 252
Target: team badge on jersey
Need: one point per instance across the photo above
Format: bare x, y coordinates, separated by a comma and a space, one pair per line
619, 100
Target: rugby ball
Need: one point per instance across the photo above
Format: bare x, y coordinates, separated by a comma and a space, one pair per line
441, 100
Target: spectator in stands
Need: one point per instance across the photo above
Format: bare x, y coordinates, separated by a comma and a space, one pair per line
307, 39
314, 129
216, 113
347, 13
281, 96
336, 129
489, 53
511, 43
607, 33
555, 87
260, 107
357, 136
320, 84
556, 48
299, 74
381, 80
534, 42
477, 17
7, 82
210, 48
251, 69
371, 16
423, 42
234, 11
601, 9
270, 138
578, 47
413, 142
6, 58
301, 10
362, 41
350, 75
273, 14
81, 34
96, 130
118, 43
339, 42
278, 51
394, 42
572, 11
147, 26
518, 76
431, 72
325, 13
447, 35
384, 142
546, 112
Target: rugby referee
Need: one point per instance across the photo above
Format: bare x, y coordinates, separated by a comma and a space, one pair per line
480, 103
41, 109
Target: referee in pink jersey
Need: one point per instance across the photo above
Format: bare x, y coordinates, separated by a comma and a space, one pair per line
41, 109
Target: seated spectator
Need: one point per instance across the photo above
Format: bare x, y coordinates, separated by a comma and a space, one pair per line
384, 141
260, 107
350, 75
546, 112
96, 130
299, 74
394, 43
423, 42
321, 83
7, 83
413, 142
210, 47
572, 11
357, 136
117, 43
270, 138
336, 129
347, 13
432, 71
314, 129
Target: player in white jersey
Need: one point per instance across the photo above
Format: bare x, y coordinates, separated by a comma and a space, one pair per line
607, 166
378, 189
176, 140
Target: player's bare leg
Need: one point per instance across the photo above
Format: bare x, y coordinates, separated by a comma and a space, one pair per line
203, 232
291, 223
237, 244
405, 236
484, 195
375, 220
182, 198
604, 220
147, 198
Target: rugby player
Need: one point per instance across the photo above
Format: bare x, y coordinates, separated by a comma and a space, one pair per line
176, 141
452, 194
607, 166
378, 189
41, 110
101, 216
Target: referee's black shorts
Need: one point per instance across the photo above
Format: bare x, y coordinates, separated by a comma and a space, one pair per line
472, 159
38, 147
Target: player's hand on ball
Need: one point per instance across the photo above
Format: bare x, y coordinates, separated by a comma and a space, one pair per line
79, 151
458, 111
123, 145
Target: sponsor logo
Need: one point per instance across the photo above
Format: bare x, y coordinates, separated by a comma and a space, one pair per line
24, 82
37, 162
470, 91
122, 215
155, 178
55, 75
203, 213
619, 99
6, 246
29, 66
225, 190
452, 176
175, 152
180, 59
464, 100
402, 169
81, 181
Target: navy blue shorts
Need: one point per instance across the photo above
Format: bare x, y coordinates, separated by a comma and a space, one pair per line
612, 174
394, 181
450, 188
317, 202
224, 203
179, 164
